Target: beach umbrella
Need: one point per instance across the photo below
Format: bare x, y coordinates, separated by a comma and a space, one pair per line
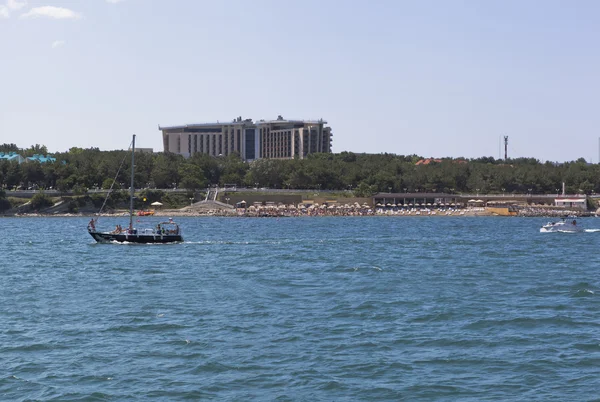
156, 204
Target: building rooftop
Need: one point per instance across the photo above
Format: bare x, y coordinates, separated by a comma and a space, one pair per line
198, 125
240, 121
9, 155
41, 158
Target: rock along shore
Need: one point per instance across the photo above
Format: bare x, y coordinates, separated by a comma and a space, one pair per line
278, 212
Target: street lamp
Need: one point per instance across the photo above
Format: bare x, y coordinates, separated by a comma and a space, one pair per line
390, 190
477, 191
503, 190
227, 199
557, 192
191, 201
529, 191
256, 186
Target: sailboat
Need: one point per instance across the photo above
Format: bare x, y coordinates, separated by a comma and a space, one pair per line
165, 232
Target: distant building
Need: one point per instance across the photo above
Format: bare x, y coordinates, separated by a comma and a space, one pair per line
573, 202
275, 139
428, 161
40, 158
11, 156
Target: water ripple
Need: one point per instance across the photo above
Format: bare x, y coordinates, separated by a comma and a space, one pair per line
301, 309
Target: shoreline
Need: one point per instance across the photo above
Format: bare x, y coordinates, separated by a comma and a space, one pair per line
234, 214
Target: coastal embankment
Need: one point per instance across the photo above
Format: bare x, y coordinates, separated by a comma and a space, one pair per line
314, 211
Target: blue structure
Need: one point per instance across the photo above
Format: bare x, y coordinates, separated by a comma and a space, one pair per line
11, 156
41, 158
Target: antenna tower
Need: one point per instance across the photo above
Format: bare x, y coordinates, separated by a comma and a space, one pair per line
506, 147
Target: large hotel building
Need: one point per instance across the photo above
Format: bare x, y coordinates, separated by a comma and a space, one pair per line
283, 139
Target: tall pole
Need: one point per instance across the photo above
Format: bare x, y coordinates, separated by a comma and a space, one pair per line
505, 147
131, 192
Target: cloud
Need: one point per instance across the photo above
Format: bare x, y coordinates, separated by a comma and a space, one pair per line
58, 13
15, 4
114, 1
58, 43
10, 6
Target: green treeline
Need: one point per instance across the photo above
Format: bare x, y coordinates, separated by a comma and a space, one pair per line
364, 174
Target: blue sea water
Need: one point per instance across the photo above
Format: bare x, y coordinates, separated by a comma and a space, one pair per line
301, 309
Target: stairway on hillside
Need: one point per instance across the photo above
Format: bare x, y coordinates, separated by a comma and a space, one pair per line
211, 194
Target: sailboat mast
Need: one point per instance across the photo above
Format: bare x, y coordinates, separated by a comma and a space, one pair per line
131, 190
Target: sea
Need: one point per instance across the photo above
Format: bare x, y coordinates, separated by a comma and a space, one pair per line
301, 309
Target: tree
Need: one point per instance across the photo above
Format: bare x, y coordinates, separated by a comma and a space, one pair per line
4, 203
40, 201
192, 177
165, 172
14, 175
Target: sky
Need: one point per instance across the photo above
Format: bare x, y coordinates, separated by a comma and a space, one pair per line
445, 78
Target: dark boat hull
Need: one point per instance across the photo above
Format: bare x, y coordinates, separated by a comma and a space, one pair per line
104, 237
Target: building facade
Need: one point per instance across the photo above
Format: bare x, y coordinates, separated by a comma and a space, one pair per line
274, 139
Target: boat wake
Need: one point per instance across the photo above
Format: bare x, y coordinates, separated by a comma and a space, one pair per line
543, 230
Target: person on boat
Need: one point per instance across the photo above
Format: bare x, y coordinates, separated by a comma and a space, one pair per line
158, 228
574, 222
92, 225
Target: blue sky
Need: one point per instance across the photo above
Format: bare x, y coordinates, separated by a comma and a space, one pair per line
433, 78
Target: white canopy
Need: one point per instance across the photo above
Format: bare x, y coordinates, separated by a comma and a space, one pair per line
156, 203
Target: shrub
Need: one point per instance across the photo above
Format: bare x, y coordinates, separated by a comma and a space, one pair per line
4, 204
40, 201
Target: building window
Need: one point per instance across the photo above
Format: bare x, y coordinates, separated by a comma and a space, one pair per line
250, 140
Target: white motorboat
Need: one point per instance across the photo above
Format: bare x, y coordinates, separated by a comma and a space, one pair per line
564, 226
